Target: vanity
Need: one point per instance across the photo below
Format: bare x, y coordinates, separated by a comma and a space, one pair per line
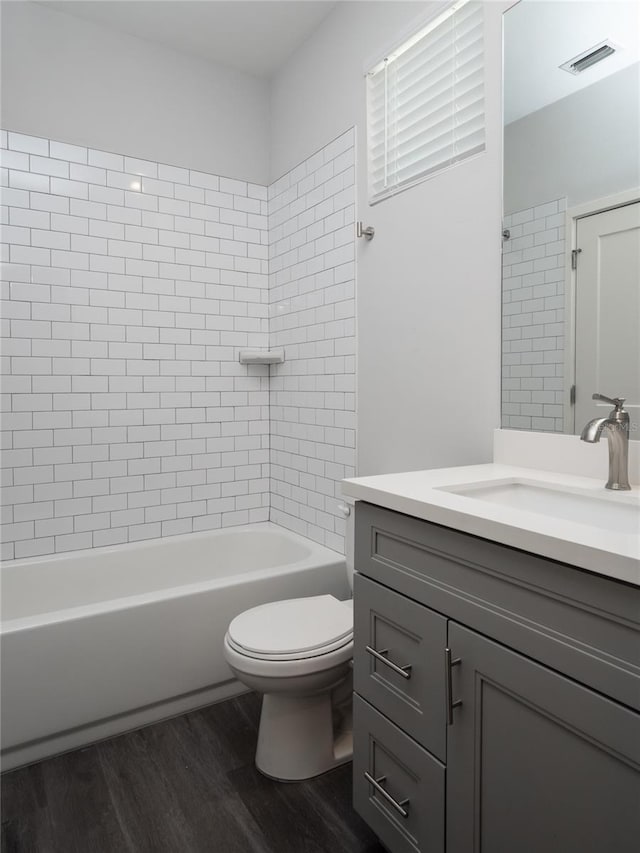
497, 682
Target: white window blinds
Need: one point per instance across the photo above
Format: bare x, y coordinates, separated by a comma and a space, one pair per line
425, 102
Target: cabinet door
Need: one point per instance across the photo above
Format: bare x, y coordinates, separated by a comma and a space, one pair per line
398, 788
536, 763
398, 661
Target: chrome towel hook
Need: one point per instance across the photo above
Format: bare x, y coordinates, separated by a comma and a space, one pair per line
367, 233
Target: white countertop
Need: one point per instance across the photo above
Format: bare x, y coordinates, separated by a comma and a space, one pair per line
596, 549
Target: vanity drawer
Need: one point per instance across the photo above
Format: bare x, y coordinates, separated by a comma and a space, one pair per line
404, 804
398, 661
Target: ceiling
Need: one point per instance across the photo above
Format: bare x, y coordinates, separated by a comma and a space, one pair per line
258, 36
254, 36
539, 35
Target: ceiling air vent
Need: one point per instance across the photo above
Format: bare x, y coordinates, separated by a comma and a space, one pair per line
590, 57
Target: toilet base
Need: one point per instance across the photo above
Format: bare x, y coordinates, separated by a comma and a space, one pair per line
299, 737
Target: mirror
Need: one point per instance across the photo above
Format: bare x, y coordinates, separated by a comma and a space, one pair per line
571, 202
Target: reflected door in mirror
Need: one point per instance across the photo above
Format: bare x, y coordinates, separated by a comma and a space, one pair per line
607, 300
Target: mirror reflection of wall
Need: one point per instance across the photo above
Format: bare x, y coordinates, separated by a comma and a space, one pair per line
571, 155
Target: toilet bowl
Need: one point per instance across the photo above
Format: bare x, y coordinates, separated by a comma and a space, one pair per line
297, 653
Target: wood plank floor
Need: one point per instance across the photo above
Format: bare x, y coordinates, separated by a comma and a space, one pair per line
188, 785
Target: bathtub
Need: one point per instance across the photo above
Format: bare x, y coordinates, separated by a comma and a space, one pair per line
101, 641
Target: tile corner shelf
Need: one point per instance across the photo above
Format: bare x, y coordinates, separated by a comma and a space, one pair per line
258, 356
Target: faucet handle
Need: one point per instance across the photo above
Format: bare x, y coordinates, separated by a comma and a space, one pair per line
618, 402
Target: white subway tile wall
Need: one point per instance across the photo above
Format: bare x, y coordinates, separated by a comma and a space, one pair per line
533, 294
128, 288
312, 310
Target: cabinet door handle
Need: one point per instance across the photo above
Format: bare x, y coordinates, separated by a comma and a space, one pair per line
377, 784
404, 671
450, 704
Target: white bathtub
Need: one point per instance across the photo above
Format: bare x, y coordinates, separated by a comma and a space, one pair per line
98, 642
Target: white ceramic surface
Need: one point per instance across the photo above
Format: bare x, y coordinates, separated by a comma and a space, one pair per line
305, 723
96, 642
294, 628
581, 506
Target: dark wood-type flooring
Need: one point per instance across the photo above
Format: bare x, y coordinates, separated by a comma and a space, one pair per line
188, 785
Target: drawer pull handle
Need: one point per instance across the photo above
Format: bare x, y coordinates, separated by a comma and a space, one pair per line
377, 784
404, 671
449, 664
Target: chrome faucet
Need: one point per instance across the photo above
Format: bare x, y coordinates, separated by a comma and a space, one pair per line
616, 428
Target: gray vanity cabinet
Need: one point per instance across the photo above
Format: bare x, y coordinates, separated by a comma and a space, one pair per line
497, 696
535, 762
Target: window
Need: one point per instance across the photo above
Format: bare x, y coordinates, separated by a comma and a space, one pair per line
425, 102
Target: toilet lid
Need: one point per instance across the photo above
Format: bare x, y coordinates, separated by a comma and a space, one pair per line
298, 627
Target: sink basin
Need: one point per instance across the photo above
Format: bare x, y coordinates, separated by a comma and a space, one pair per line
609, 512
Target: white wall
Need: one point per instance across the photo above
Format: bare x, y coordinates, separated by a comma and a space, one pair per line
312, 315
68, 79
583, 147
128, 287
125, 412
429, 284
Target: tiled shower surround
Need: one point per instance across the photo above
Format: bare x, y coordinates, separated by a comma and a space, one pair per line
312, 305
128, 289
533, 294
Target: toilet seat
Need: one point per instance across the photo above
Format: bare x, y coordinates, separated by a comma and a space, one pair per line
294, 629
289, 668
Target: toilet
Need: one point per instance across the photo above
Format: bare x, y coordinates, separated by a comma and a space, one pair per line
298, 654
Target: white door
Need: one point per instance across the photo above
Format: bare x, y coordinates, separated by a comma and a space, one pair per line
608, 313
